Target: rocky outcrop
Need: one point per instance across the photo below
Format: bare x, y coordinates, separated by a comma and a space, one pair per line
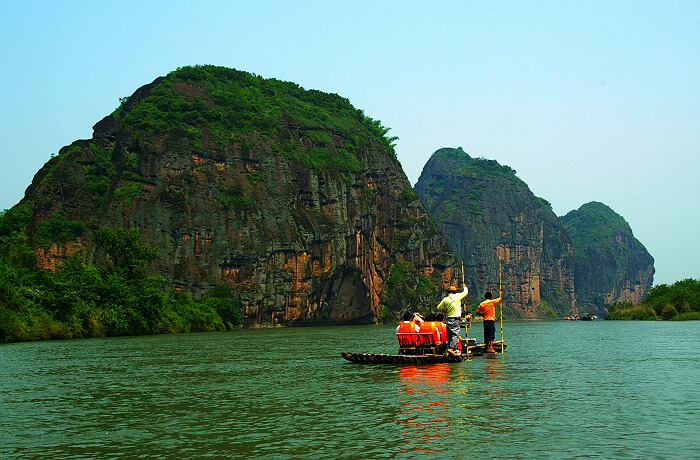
292, 197
611, 264
490, 217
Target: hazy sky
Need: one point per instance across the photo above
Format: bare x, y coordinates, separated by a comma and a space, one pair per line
586, 100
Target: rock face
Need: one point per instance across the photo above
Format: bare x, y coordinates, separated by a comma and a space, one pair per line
292, 197
489, 215
611, 264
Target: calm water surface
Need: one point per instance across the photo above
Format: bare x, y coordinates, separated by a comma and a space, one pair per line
563, 389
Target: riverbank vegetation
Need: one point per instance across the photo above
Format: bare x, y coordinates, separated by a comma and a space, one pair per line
81, 300
680, 301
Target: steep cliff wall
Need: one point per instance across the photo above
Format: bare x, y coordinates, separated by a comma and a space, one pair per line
292, 197
611, 264
489, 215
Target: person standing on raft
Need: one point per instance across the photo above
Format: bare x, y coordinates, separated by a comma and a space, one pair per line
487, 309
452, 306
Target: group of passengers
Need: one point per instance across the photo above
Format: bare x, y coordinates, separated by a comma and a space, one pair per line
431, 327
445, 328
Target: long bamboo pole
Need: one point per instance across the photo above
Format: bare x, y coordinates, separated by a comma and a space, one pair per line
466, 322
499, 291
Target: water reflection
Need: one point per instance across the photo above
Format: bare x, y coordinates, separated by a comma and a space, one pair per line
447, 405
423, 415
493, 367
223, 395
493, 370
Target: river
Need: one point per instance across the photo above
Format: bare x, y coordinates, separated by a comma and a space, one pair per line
598, 389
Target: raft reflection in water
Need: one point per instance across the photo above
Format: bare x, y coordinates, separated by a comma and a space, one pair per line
423, 392
443, 405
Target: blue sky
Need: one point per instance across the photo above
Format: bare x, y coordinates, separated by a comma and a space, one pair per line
587, 101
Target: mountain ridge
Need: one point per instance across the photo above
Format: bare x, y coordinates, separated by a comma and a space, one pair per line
549, 263
493, 220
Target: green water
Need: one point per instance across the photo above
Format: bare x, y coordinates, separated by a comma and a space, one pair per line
597, 389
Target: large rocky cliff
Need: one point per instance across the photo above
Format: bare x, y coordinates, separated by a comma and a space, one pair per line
292, 197
611, 264
490, 216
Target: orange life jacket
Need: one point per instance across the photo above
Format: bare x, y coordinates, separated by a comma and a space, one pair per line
406, 327
430, 326
442, 330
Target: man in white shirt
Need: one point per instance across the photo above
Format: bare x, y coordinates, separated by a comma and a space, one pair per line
452, 306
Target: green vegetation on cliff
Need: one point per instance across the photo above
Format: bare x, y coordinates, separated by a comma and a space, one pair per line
230, 103
471, 173
79, 301
405, 286
100, 174
593, 224
680, 301
57, 229
464, 165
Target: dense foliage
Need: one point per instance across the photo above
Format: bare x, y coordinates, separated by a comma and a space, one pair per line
593, 224
57, 229
231, 104
680, 301
405, 286
81, 301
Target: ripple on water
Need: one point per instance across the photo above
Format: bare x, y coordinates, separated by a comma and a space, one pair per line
562, 390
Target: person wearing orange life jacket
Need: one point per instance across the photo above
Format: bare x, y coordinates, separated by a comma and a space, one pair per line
487, 309
452, 306
430, 326
407, 326
440, 326
418, 319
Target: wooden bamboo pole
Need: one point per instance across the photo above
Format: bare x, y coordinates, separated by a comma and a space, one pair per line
499, 292
466, 323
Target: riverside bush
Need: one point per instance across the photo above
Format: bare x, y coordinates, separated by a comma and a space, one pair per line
680, 301
669, 312
114, 299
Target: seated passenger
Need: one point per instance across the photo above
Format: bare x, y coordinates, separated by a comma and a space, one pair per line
430, 325
418, 320
442, 329
440, 323
405, 327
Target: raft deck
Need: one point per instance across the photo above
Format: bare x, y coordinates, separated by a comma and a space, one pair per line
414, 359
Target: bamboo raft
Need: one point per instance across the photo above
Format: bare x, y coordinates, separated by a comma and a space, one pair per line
421, 355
